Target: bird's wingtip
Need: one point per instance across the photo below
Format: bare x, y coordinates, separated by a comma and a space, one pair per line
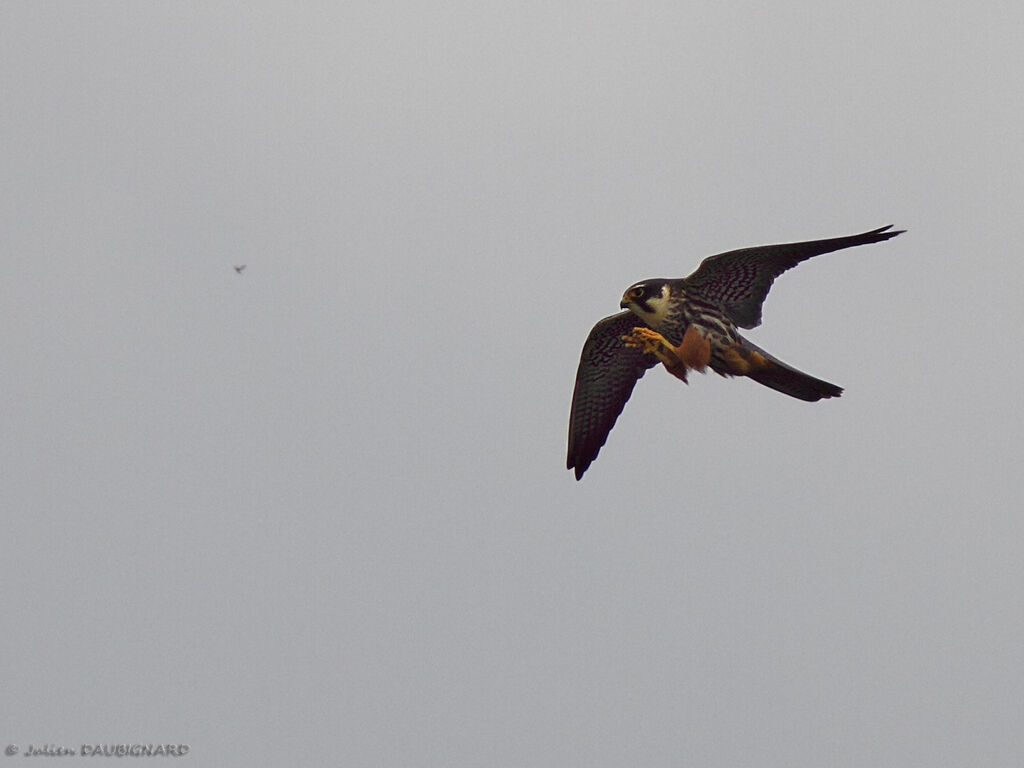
885, 230
577, 469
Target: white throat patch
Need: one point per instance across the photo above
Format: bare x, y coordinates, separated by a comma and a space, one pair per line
659, 306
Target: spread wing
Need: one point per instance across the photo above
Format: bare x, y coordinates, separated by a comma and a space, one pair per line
739, 280
604, 381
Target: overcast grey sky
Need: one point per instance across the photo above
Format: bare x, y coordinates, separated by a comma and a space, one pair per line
318, 512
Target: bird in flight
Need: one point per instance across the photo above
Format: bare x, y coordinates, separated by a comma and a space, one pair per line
239, 268
690, 323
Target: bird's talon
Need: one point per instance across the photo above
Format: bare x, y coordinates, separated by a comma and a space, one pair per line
644, 339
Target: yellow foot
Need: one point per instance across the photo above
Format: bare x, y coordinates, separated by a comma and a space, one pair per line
648, 341
653, 343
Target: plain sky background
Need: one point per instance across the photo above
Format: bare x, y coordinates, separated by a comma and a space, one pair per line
317, 513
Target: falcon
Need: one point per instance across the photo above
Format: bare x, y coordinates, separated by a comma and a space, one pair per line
690, 324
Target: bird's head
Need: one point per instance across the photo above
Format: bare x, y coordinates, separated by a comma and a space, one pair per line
648, 300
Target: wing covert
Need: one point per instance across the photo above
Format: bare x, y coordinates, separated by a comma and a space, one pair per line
739, 280
607, 373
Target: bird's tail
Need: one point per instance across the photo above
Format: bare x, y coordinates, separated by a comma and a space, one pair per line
788, 380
